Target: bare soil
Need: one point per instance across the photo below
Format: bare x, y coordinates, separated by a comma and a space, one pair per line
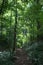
22, 57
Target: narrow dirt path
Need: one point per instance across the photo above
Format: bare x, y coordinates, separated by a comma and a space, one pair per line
22, 58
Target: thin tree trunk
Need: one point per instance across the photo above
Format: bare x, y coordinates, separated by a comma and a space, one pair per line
38, 24
15, 28
37, 20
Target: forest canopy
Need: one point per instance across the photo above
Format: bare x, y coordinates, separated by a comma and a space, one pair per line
21, 26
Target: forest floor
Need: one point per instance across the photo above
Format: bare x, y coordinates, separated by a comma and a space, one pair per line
22, 57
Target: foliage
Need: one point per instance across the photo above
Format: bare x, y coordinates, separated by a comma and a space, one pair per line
21, 25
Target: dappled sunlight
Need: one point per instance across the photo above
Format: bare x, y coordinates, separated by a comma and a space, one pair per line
21, 32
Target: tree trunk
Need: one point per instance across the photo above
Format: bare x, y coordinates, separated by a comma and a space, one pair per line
38, 22
15, 27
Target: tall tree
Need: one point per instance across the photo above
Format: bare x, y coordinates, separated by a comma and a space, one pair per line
37, 19
15, 26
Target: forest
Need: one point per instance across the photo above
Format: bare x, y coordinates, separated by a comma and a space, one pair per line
21, 32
